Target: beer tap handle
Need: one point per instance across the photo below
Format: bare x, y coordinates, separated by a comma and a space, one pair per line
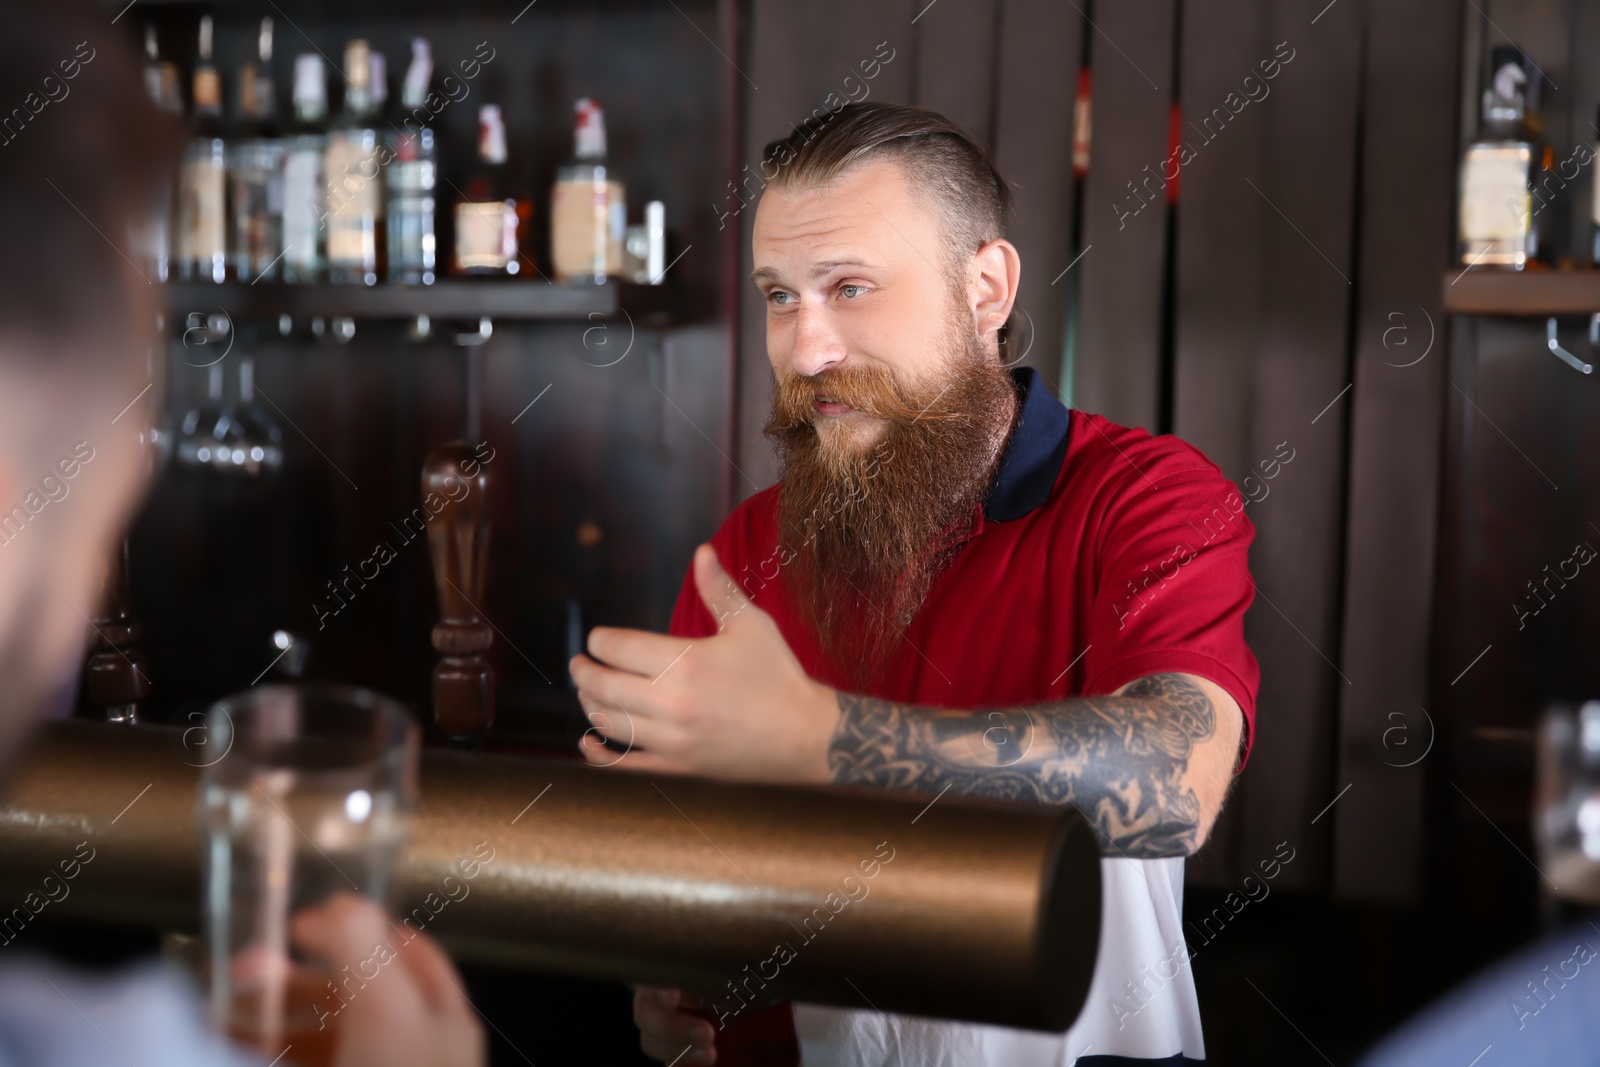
118, 675
458, 538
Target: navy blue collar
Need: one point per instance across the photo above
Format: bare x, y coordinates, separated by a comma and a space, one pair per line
1033, 456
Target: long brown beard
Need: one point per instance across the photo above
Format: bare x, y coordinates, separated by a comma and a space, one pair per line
870, 528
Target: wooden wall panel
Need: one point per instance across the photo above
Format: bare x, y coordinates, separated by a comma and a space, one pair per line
1040, 42
1307, 191
1120, 334
1220, 230
1407, 230
955, 49
855, 33
1582, 80
798, 55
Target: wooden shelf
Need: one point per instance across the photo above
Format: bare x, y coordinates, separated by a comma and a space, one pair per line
445, 299
1481, 291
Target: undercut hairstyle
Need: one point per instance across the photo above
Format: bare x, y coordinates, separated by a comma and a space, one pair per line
84, 156
947, 166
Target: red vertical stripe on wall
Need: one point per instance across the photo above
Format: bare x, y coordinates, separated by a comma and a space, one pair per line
1082, 119
1174, 137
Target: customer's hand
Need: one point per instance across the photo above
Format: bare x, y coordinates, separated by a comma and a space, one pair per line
413, 1012
665, 1031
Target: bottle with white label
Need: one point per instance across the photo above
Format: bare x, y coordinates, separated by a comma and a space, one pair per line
491, 219
201, 227
354, 177
305, 196
588, 206
1506, 212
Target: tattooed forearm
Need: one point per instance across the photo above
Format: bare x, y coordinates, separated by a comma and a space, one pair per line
1121, 760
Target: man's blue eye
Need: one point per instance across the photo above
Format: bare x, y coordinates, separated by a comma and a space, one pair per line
776, 296
846, 290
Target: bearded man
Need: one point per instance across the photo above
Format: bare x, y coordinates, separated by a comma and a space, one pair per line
959, 584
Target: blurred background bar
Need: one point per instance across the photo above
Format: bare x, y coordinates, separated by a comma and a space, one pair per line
1282, 231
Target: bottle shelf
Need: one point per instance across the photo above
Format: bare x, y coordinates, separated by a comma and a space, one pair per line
445, 299
1480, 291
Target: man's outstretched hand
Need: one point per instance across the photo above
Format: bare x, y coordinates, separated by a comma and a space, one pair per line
736, 704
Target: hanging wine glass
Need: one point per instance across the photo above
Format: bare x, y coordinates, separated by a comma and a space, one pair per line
234, 438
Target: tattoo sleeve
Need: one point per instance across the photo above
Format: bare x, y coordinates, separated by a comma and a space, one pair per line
1121, 760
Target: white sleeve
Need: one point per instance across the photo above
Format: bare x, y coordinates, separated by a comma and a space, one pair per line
56, 1016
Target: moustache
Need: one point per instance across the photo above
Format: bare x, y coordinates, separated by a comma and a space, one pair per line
870, 390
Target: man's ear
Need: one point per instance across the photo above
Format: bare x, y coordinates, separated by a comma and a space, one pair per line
992, 280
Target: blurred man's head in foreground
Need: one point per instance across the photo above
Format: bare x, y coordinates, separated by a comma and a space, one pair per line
83, 157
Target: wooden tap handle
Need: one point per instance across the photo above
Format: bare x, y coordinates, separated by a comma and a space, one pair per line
118, 676
455, 490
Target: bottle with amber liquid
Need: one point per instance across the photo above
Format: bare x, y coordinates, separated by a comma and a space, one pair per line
354, 176
492, 217
255, 172
201, 227
1504, 194
588, 206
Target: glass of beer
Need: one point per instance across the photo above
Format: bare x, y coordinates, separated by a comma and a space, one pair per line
309, 791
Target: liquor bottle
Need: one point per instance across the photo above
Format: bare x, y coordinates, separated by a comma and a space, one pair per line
305, 197
201, 238
152, 229
378, 81
354, 177
412, 177
1504, 221
588, 207
172, 88
1594, 220
152, 66
491, 219
255, 172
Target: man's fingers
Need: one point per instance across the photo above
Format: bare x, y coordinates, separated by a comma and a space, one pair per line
621, 688
636, 651
666, 996
635, 760
721, 596
665, 1032
623, 727
434, 974
343, 931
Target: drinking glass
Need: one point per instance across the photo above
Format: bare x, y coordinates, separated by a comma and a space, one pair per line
312, 791
1566, 816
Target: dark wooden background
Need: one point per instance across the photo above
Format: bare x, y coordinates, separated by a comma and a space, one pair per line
1288, 294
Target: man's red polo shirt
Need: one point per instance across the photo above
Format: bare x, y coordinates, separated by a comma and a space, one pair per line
1101, 555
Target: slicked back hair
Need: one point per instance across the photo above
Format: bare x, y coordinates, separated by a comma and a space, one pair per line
944, 163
